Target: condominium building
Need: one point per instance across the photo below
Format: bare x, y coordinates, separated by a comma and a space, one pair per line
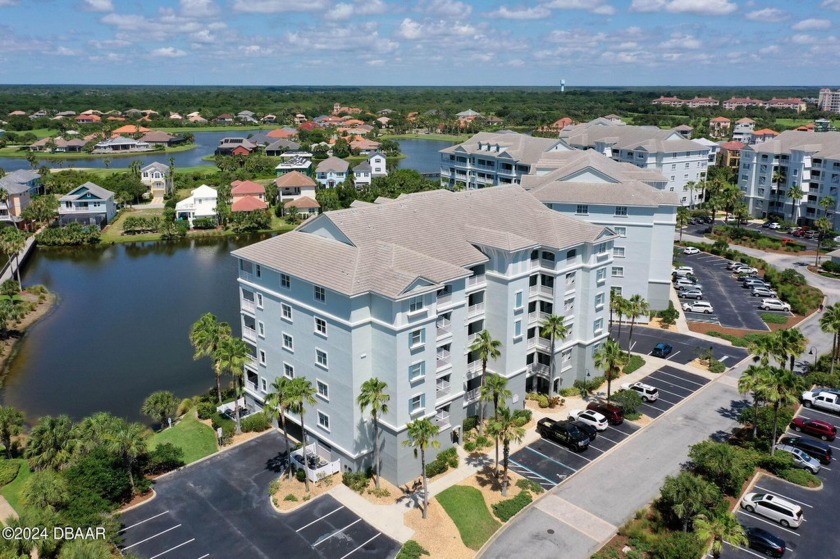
719, 127
809, 160
681, 161
744, 128
829, 101
399, 289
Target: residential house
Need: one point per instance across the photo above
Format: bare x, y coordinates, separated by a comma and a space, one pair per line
378, 164
269, 119
362, 174
300, 161
224, 118
668, 101
130, 129
281, 146
260, 140
338, 108
743, 132
235, 146
120, 144
247, 117
18, 194
248, 204
763, 135
159, 138
702, 102
730, 154
242, 189
294, 185
27, 178
719, 127
358, 293
300, 118
331, 172
158, 177
742, 103
17, 113
307, 126
556, 126
306, 206
363, 146
87, 119
88, 204
284, 133
202, 204
684, 130
197, 119
615, 119
791, 103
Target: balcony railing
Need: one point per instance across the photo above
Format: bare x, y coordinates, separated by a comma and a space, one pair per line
247, 276
534, 317
472, 395
249, 333
445, 298
541, 290
538, 369
475, 310
471, 338
444, 359
251, 360
442, 420
473, 369
442, 389
540, 343
444, 327
248, 306
477, 280
542, 263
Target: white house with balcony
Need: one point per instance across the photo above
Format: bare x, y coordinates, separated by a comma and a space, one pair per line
202, 204
331, 172
158, 177
399, 289
19, 187
88, 204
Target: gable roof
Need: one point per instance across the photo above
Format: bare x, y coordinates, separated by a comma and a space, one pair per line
363, 167
244, 188
248, 204
88, 187
303, 203
333, 164
294, 179
155, 166
16, 182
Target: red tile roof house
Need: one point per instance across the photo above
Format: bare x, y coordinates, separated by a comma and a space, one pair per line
245, 189
87, 119
248, 204
242, 150
224, 119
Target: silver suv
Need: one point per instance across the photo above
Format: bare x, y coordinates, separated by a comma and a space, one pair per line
800, 458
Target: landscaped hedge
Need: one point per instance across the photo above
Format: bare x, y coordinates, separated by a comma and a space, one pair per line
164, 458
505, 510
442, 462
73, 234
257, 422
8, 471
636, 362
204, 223
138, 224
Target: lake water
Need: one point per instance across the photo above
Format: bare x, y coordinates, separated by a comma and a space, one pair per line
120, 330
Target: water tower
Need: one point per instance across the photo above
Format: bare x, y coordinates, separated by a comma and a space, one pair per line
562, 86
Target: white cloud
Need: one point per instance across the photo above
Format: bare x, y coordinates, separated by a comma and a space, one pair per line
199, 8
8, 3
204, 36
344, 11
376, 62
445, 8
370, 7
410, 29
64, 51
278, 6
362, 38
812, 24
699, 7
831, 4
771, 49
99, 5
680, 41
768, 15
595, 6
168, 52
520, 12
340, 12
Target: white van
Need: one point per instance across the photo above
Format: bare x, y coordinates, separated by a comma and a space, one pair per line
773, 507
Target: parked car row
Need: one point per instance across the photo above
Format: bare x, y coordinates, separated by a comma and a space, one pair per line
758, 287
582, 426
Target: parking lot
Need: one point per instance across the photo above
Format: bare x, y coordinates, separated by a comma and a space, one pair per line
549, 464
733, 304
685, 348
220, 508
818, 536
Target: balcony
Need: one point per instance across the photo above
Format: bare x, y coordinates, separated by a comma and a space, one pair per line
475, 310
541, 290
539, 343
476, 281
442, 389
472, 395
247, 306
471, 338
444, 299
249, 333
251, 360
444, 327
542, 263
539, 369
442, 420
444, 359
535, 317
473, 369
247, 276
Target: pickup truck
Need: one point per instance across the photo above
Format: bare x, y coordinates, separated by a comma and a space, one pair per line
828, 401
564, 432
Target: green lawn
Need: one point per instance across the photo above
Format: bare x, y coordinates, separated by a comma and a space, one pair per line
466, 507
12, 491
794, 122
195, 438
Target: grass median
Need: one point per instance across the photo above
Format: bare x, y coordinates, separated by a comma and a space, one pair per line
467, 509
196, 439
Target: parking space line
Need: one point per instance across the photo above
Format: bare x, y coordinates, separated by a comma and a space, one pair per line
680, 396
751, 552
319, 519
546, 456
595, 447
518, 465
172, 549
609, 439
151, 537
319, 542
784, 496
825, 413
361, 546
672, 355
564, 449
661, 372
760, 518
205, 556
142, 521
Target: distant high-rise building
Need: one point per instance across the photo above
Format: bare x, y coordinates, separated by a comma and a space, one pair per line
562, 86
829, 101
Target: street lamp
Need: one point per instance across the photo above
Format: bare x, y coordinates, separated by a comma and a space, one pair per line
813, 351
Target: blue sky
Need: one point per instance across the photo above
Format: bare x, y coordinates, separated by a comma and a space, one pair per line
421, 42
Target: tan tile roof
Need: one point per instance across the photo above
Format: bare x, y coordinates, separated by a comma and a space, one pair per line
293, 179
303, 203
520, 147
650, 138
628, 193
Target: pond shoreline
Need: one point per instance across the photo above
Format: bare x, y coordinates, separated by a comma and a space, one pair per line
10, 346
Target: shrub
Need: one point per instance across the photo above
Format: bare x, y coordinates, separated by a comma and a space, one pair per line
470, 446
669, 315
382, 492
636, 362
470, 423
542, 400
72, 234
290, 497
8, 471
11, 287
529, 485
165, 458
300, 475
256, 422
764, 421
831, 266
573, 390
629, 400
800, 477
411, 550
226, 423
725, 465
357, 481
522, 416
676, 545
482, 441
555, 401
205, 410
776, 463
274, 486
450, 456
505, 510
717, 366
436, 467
185, 406
204, 223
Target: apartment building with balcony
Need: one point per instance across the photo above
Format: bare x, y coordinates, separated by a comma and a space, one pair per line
829, 101
809, 160
680, 160
399, 289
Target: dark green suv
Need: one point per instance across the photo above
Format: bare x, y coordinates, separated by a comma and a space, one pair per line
564, 432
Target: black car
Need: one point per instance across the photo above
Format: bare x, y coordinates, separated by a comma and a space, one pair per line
765, 542
811, 447
563, 432
587, 429
661, 350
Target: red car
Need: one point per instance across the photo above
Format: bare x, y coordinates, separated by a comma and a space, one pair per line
613, 413
822, 429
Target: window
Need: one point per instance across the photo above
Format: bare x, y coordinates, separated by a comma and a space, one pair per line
259, 271
571, 254
416, 404
598, 325
416, 370
288, 371
288, 342
599, 300
259, 300
415, 304
620, 231
686, 165
569, 304
602, 248
416, 338
517, 298
321, 326
285, 281
263, 385
286, 311
261, 329
617, 271
321, 357
621, 210
618, 252
320, 293
566, 356
262, 357
323, 390
582, 209
517, 328
601, 275
323, 420
570, 279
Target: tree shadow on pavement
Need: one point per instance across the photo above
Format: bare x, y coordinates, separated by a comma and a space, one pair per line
734, 409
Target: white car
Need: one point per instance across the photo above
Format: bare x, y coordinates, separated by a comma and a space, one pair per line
684, 270
590, 417
699, 307
774, 225
647, 392
745, 270
685, 282
691, 250
773, 507
763, 292
774, 305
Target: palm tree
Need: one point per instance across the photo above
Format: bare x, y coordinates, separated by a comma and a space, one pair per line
94, 431
830, 322
160, 406
682, 220
719, 527
50, 443
553, 328
12, 241
45, 490
277, 403
506, 427
791, 344
781, 389
422, 434
795, 193
487, 348
638, 307
685, 495
764, 348
823, 226
754, 380
205, 335
777, 178
496, 391
827, 203
373, 396
615, 307
11, 424
611, 359
129, 443
301, 394
691, 186
230, 357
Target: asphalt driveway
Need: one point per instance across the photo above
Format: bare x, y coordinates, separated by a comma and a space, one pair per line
220, 508
686, 348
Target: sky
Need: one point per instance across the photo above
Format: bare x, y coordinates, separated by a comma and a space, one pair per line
420, 42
